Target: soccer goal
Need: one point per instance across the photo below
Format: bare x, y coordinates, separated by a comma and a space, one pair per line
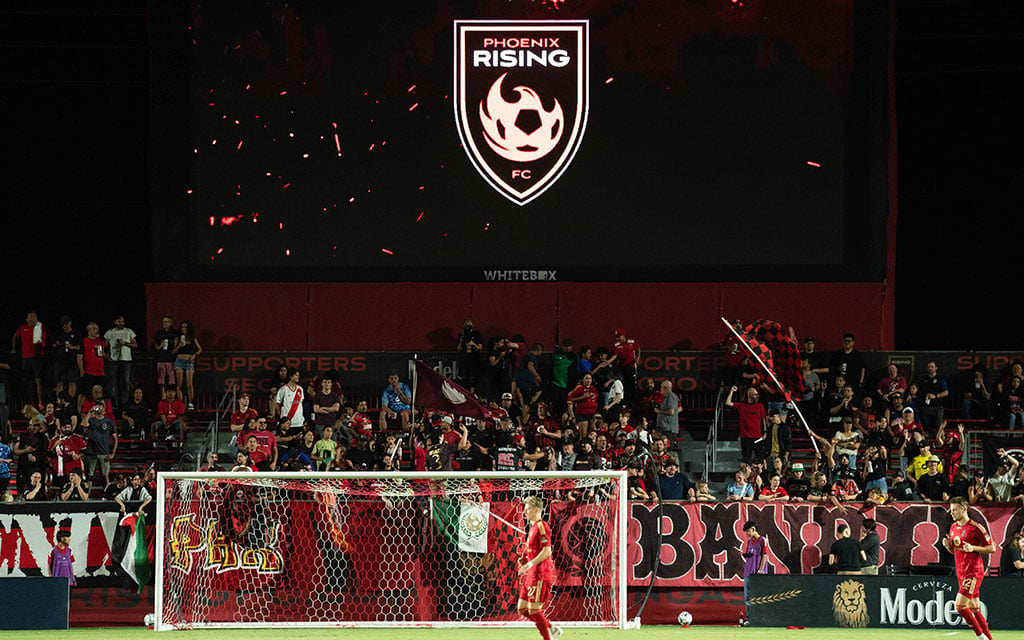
395, 549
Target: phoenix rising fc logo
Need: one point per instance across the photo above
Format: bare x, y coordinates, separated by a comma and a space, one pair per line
522, 90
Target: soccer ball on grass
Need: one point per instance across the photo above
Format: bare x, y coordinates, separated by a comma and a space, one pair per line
149, 620
685, 618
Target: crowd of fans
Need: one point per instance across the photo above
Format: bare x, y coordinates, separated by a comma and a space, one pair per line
573, 410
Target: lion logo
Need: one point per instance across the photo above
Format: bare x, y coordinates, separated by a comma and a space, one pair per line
849, 606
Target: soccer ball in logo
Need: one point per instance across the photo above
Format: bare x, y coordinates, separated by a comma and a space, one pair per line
521, 131
149, 620
685, 618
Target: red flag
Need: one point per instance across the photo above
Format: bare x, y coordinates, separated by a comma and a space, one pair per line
779, 353
434, 390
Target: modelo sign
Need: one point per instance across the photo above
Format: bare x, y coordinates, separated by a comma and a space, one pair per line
854, 602
931, 602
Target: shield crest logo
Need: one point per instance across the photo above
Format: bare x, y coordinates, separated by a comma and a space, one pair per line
522, 91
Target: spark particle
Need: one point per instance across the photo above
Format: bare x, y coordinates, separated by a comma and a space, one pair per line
352, 199
305, 155
283, 93
287, 252
280, 225
212, 221
287, 185
814, 164
337, 143
188, 191
220, 251
420, 217
609, 80
240, 144
372, 145
410, 89
388, 251
414, 105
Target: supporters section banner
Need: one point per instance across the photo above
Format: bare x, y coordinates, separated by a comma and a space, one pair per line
852, 602
364, 374
700, 544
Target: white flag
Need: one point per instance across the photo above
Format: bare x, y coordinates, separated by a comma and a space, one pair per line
473, 521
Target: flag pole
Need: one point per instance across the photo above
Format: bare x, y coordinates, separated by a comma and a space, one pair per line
778, 384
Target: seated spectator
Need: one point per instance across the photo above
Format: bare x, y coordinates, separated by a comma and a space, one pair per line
287, 436
242, 461
875, 497
979, 492
361, 422
821, 492
324, 450
6, 458
211, 463
258, 458
845, 489
75, 489
674, 484
798, 486
774, 491
137, 416
636, 486
35, 490
395, 402
135, 493
170, 422
961, 483
902, 489
704, 492
739, 490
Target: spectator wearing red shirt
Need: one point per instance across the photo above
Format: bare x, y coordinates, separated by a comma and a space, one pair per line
584, 402
171, 414
32, 336
752, 420
240, 417
626, 358
95, 397
91, 359
774, 491
67, 449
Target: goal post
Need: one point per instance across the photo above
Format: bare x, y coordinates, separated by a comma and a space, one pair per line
261, 549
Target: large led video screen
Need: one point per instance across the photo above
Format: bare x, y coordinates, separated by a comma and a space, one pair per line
526, 139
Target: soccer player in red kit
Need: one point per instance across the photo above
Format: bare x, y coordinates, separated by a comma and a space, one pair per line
967, 541
536, 570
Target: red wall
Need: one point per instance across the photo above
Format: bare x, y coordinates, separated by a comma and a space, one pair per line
409, 316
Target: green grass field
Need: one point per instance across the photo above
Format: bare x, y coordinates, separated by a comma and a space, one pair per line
645, 633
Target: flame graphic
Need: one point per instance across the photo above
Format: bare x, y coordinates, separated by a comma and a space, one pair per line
508, 140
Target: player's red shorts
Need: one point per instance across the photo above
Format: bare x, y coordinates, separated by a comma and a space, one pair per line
534, 590
970, 587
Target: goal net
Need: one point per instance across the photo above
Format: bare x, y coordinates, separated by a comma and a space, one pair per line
359, 549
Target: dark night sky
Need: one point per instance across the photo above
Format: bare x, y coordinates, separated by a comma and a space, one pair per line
76, 96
